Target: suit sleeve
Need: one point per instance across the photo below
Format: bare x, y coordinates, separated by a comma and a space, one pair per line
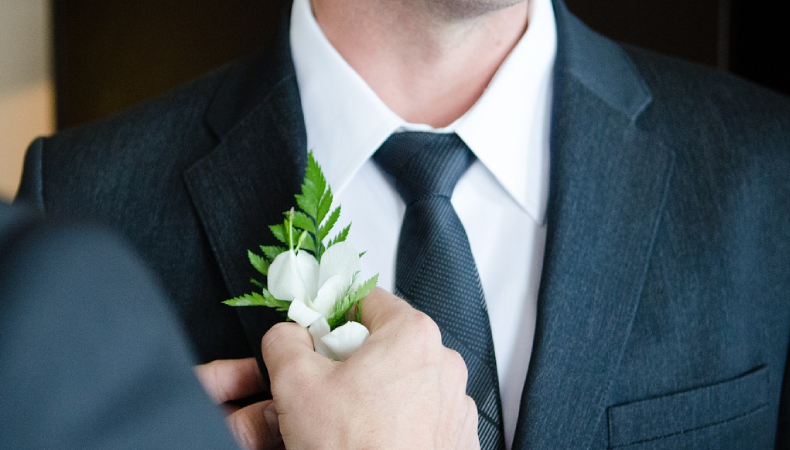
91, 356
31, 188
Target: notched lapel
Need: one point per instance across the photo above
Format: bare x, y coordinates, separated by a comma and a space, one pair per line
608, 186
244, 185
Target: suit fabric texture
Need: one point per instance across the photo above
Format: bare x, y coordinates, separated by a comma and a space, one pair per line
664, 303
92, 358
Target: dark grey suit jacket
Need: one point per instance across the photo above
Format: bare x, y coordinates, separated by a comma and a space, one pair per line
664, 307
90, 356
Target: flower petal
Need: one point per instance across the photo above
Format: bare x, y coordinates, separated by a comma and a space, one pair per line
308, 267
302, 314
340, 259
293, 276
346, 339
319, 329
330, 293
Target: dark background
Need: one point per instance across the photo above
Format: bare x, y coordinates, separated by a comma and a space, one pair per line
111, 54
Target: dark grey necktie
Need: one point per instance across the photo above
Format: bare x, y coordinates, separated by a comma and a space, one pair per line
435, 270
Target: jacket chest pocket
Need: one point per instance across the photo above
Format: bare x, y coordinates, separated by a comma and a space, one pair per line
731, 414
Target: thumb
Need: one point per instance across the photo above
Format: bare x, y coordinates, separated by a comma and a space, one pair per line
286, 343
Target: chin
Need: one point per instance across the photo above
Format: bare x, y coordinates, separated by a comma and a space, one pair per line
473, 8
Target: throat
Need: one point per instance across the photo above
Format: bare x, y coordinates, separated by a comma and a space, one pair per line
426, 67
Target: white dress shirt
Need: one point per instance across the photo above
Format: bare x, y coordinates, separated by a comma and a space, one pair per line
501, 200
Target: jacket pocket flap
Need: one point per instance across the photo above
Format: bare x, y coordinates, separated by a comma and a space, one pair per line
689, 410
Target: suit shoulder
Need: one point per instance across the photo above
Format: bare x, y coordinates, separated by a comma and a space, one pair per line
182, 107
149, 144
677, 83
730, 137
694, 104
152, 128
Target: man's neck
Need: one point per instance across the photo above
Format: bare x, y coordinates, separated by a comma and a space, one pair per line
428, 60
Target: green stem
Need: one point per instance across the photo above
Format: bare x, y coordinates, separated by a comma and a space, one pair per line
301, 240
316, 241
289, 223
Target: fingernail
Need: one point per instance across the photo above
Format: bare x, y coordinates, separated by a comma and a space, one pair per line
272, 420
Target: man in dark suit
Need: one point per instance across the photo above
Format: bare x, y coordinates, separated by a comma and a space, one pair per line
663, 315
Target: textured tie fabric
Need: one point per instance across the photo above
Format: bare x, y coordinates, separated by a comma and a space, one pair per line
435, 270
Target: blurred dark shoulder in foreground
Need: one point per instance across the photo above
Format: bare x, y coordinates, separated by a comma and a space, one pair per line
92, 356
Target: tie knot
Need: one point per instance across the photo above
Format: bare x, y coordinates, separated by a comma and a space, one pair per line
424, 164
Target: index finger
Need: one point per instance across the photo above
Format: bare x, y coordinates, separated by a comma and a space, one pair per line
381, 308
228, 380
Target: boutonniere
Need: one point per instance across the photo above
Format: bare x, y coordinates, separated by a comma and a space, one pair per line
310, 277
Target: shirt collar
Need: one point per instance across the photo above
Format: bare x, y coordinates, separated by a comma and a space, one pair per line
507, 129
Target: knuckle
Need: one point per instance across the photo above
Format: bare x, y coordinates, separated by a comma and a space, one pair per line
425, 330
277, 333
220, 390
205, 372
471, 407
457, 367
209, 376
245, 430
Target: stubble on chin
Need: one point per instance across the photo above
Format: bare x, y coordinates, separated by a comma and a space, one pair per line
467, 9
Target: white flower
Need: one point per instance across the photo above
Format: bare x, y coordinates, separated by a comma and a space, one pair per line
314, 289
340, 343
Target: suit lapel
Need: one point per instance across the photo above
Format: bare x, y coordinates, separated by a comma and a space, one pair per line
249, 179
608, 184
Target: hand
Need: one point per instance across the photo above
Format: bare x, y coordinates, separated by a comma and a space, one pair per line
254, 426
402, 390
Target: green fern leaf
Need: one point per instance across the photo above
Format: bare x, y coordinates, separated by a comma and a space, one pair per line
365, 288
314, 176
258, 262
308, 245
340, 236
272, 251
307, 204
279, 232
339, 314
253, 299
303, 222
271, 302
324, 205
330, 222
